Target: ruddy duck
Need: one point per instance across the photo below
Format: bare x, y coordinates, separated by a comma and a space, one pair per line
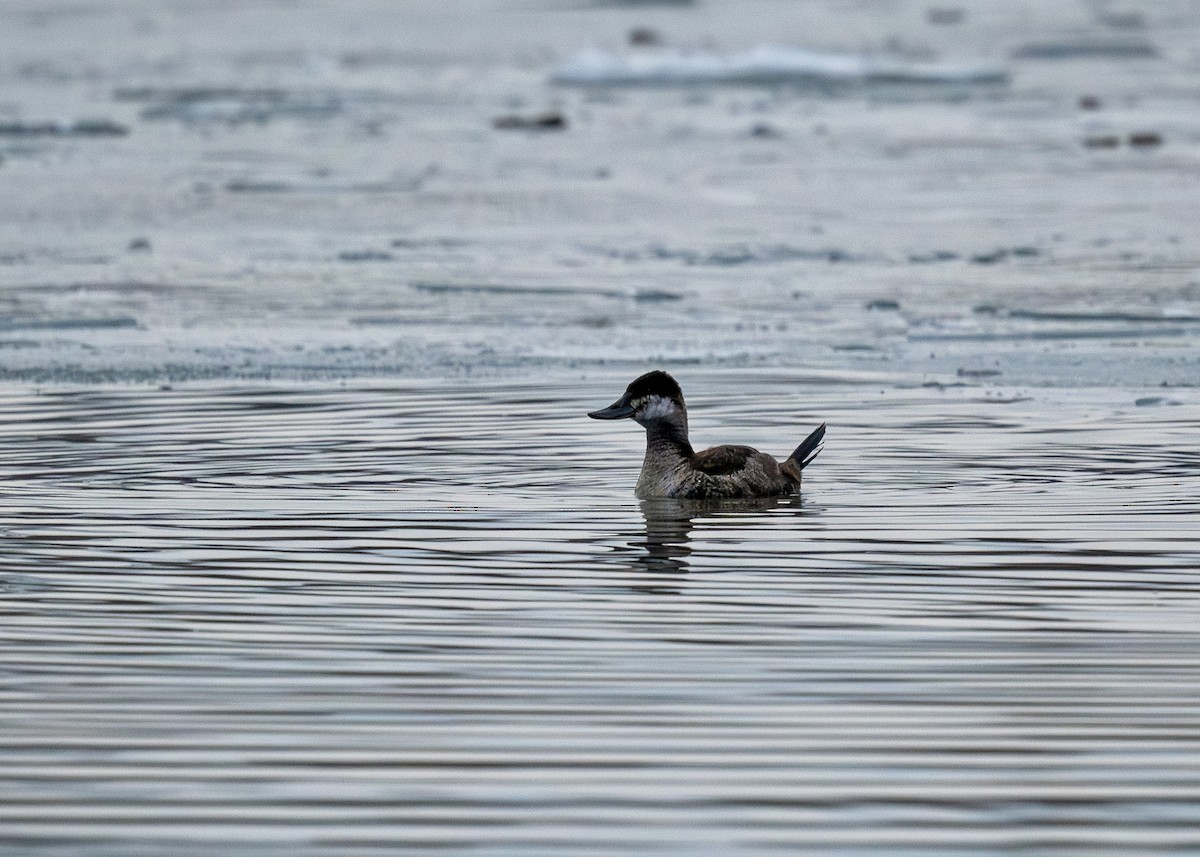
673, 469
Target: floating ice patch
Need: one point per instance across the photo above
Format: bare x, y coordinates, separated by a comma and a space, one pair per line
9, 324
78, 128
365, 256
319, 185
1086, 50
728, 255
235, 104
647, 295
762, 65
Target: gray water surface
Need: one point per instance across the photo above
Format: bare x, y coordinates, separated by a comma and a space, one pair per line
307, 547
403, 618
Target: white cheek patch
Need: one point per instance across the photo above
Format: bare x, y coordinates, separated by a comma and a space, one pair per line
657, 408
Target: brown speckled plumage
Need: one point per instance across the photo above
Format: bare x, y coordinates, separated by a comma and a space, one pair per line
671, 467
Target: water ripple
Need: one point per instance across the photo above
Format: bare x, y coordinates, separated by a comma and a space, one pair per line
391, 619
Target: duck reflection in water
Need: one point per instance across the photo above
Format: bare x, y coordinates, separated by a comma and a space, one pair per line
662, 551
665, 546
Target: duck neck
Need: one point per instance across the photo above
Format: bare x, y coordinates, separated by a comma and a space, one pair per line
667, 456
668, 436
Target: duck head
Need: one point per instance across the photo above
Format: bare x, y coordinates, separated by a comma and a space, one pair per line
653, 398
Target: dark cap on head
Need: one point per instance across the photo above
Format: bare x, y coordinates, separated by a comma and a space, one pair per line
656, 383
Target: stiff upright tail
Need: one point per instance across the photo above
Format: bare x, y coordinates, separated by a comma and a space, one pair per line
804, 453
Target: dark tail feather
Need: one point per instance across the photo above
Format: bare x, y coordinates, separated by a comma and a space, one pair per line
808, 450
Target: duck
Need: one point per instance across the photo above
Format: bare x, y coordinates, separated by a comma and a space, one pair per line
673, 469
